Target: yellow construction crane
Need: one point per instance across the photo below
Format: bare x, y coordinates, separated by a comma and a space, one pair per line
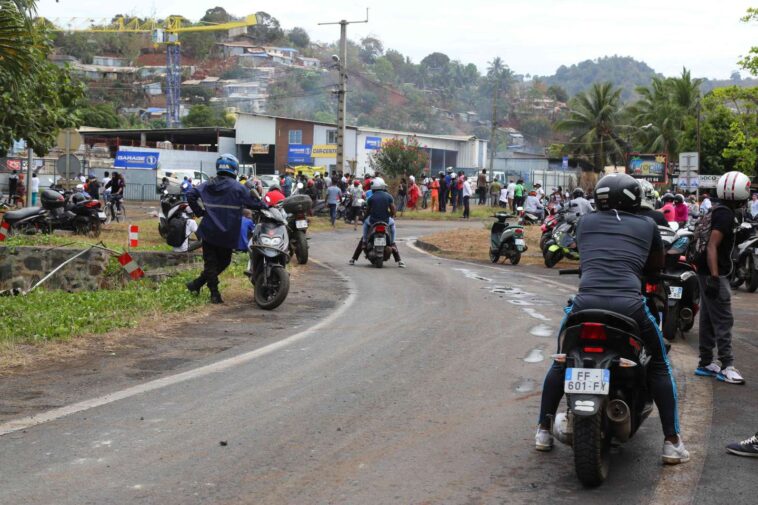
164, 31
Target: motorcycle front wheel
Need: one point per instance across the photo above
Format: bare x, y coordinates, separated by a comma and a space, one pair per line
494, 256
592, 444
271, 296
301, 247
552, 258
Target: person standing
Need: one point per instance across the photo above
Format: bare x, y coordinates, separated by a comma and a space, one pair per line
219, 202
466, 192
12, 187
413, 193
494, 192
402, 193
357, 199
714, 266
434, 191
510, 191
453, 185
35, 189
185, 187
333, 197
107, 189
93, 187
443, 192
287, 185
481, 187
540, 192
754, 206
518, 193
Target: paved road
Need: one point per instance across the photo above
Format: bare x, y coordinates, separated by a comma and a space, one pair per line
423, 389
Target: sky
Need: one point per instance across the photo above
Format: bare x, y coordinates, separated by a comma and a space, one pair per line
531, 36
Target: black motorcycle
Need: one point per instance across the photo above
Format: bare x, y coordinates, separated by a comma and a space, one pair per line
745, 257
297, 208
606, 386
60, 210
172, 205
378, 246
683, 294
269, 254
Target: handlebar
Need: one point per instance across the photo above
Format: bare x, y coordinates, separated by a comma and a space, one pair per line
570, 271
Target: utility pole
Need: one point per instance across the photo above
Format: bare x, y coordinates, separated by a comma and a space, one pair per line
493, 130
341, 92
697, 129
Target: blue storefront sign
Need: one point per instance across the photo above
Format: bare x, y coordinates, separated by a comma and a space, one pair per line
300, 153
136, 159
565, 163
373, 143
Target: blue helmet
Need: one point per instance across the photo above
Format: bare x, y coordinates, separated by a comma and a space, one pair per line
227, 164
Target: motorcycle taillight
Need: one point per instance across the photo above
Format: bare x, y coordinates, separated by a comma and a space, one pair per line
92, 203
593, 349
300, 216
650, 288
381, 229
593, 331
519, 232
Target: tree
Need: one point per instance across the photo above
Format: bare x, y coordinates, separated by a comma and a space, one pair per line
371, 49
299, 37
203, 115
268, 28
592, 122
398, 157
557, 93
102, 115
750, 61
15, 35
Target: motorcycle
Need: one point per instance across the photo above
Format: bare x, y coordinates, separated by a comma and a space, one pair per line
378, 247
297, 208
268, 250
526, 218
606, 386
61, 210
682, 296
561, 245
171, 205
506, 240
552, 221
745, 258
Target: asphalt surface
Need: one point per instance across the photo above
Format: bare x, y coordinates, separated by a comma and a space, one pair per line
421, 388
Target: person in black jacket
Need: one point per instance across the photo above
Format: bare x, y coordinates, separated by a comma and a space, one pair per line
219, 202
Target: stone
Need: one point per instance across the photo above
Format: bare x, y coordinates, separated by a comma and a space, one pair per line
33, 263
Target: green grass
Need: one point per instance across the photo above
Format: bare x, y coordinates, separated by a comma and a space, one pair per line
58, 315
477, 212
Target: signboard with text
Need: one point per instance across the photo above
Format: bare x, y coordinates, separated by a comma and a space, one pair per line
324, 151
299, 153
651, 167
258, 149
144, 160
373, 143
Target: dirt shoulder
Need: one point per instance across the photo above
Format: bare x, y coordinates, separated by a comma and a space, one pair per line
58, 374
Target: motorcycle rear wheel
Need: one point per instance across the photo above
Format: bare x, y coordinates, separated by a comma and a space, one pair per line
270, 297
671, 324
592, 444
301, 247
515, 258
552, 258
379, 262
751, 282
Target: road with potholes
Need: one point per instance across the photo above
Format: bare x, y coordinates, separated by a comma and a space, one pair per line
422, 386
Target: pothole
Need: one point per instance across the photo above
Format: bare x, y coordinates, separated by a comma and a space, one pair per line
525, 386
542, 330
522, 303
535, 356
535, 314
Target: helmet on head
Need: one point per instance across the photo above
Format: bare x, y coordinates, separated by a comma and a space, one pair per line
668, 197
227, 164
648, 194
733, 186
449, 170
679, 198
310, 183
578, 193
378, 184
618, 192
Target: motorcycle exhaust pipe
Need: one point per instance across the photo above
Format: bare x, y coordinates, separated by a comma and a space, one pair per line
686, 315
621, 420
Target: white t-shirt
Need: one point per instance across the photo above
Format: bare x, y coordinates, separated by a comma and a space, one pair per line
466, 188
532, 204
754, 207
106, 180
511, 190
540, 193
189, 228
705, 205
504, 195
35, 184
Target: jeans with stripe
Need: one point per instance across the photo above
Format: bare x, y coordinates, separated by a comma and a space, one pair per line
660, 377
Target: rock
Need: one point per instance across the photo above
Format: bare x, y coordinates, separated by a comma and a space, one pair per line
223, 443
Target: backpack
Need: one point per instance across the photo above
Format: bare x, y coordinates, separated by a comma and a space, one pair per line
702, 234
177, 233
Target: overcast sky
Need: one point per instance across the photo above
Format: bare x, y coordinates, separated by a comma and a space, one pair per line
532, 36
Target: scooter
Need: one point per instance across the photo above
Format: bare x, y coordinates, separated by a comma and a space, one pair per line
171, 205
745, 258
60, 210
506, 240
378, 247
561, 245
297, 208
269, 254
551, 222
683, 296
606, 386
526, 218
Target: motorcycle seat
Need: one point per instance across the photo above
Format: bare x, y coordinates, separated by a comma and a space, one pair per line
17, 215
606, 317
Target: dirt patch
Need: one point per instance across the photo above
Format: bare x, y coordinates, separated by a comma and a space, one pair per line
38, 378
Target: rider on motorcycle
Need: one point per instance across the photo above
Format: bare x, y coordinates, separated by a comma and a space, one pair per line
379, 208
647, 206
617, 247
578, 203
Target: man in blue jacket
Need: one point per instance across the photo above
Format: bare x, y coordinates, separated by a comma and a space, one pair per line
219, 202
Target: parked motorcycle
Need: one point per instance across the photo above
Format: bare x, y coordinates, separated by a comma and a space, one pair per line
59, 211
606, 386
526, 218
269, 254
561, 245
551, 223
683, 296
506, 240
297, 208
378, 246
745, 257
172, 206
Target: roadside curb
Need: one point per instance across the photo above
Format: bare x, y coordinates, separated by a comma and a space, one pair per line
426, 246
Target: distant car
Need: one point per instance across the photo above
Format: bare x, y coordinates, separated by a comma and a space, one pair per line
268, 179
175, 178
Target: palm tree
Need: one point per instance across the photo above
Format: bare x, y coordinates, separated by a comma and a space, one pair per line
15, 35
593, 124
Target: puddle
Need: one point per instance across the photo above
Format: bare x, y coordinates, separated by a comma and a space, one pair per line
542, 330
473, 275
535, 356
535, 314
523, 303
525, 386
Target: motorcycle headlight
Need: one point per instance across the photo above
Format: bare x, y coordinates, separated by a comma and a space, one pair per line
271, 241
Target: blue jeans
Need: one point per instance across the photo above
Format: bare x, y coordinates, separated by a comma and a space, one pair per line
367, 225
333, 212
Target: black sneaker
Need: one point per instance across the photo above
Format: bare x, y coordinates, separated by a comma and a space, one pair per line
192, 288
747, 447
216, 297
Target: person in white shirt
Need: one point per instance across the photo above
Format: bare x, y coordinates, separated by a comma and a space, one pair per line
190, 227
466, 197
511, 189
503, 199
540, 192
532, 205
754, 206
106, 189
578, 204
35, 188
705, 205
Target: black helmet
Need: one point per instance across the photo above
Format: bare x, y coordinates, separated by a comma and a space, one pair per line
679, 198
619, 192
668, 197
578, 193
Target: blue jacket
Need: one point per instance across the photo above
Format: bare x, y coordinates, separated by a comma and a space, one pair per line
246, 229
223, 199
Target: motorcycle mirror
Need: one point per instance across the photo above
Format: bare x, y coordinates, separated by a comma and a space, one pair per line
745, 226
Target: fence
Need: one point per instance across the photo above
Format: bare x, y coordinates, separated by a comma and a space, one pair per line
141, 192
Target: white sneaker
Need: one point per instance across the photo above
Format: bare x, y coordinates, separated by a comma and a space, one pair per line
730, 375
712, 370
675, 454
543, 440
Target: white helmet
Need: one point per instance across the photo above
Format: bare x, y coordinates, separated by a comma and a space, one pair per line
733, 186
648, 194
378, 184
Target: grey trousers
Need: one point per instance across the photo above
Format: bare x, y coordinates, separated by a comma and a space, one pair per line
716, 323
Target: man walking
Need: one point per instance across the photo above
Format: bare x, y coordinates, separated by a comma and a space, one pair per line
219, 202
481, 187
333, 197
466, 192
511, 193
714, 266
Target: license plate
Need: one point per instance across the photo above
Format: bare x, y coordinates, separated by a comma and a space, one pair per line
101, 215
520, 242
380, 241
675, 292
593, 381
301, 223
